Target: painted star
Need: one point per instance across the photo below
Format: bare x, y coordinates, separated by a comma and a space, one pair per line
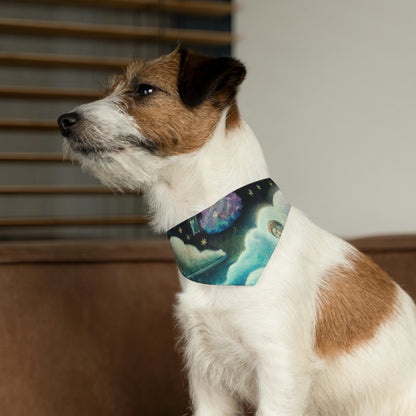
203, 242
188, 237
180, 230
250, 192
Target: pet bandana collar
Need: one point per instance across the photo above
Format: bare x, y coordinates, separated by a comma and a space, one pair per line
231, 242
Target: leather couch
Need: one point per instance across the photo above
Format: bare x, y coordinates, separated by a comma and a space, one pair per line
86, 328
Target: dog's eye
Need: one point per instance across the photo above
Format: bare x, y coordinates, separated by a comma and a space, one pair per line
143, 90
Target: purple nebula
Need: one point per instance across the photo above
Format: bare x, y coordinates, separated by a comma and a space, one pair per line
222, 214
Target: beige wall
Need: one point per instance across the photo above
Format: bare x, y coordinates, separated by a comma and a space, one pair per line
331, 95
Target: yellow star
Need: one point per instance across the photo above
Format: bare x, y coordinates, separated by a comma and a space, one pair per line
180, 230
250, 192
203, 242
188, 237
258, 187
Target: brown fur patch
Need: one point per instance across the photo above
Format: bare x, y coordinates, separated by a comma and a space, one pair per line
233, 116
353, 303
162, 117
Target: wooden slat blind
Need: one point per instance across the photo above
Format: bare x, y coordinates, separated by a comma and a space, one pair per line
49, 93
36, 222
20, 125
56, 61
31, 157
201, 8
76, 30
16, 124
54, 190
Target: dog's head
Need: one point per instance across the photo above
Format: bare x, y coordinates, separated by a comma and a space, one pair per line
154, 111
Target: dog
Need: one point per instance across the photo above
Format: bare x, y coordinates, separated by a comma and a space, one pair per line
317, 329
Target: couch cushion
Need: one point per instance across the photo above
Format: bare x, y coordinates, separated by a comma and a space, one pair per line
91, 335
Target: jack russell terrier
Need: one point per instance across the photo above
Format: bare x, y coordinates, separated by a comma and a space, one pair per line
275, 312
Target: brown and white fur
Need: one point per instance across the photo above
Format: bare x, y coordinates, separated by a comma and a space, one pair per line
324, 331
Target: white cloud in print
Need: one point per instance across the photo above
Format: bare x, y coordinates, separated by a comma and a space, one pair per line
259, 244
190, 260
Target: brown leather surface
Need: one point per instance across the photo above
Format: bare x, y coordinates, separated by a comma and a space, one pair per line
396, 254
89, 339
86, 328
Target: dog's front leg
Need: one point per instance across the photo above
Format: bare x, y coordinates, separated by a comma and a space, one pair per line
283, 385
209, 399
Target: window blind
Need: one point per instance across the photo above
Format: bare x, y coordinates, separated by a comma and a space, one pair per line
55, 55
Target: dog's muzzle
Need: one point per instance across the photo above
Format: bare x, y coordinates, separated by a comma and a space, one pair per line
67, 123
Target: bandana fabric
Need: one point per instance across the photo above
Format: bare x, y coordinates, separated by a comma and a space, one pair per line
231, 242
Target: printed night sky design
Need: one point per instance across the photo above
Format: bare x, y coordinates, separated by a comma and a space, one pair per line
231, 242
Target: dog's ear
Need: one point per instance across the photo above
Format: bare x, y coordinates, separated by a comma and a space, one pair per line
202, 77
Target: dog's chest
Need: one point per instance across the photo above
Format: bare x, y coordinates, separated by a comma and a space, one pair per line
214, 342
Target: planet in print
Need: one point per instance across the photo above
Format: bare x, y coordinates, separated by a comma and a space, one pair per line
222, 214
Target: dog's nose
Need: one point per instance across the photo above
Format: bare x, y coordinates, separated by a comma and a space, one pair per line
67, 121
